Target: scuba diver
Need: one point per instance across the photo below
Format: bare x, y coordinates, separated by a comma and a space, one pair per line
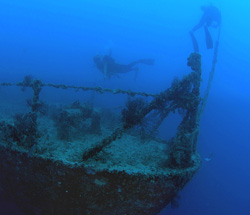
210, 17
107, 65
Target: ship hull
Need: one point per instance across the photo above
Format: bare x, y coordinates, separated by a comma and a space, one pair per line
45, 186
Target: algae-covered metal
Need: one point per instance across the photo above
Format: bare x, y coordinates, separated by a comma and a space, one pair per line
72, 161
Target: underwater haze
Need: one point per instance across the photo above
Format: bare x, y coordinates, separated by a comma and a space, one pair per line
55, 41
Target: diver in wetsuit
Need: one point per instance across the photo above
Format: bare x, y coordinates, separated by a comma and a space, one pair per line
107, 65
211, 14
210, 17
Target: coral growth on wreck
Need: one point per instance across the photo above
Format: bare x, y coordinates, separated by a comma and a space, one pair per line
77, 118
23, 131
131, 114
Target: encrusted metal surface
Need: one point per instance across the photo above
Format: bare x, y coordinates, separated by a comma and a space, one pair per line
44, 186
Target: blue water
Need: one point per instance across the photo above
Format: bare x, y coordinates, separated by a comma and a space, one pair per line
55, 41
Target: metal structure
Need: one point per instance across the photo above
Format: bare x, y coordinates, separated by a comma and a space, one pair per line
44, 184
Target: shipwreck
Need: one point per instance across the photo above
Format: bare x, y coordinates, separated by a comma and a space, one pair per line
69, 160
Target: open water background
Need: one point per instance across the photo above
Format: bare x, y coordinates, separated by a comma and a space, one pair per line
55, 41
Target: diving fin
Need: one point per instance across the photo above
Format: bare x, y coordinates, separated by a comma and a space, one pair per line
195, 44
209, 40
148, 61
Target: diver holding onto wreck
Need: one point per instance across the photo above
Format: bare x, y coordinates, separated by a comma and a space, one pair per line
107, 65
211, 17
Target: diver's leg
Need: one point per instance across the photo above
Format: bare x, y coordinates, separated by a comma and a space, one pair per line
200, 24
133, 64
147, 61
195, 43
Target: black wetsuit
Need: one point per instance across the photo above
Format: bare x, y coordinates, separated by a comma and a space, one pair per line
211, 14
109, 67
